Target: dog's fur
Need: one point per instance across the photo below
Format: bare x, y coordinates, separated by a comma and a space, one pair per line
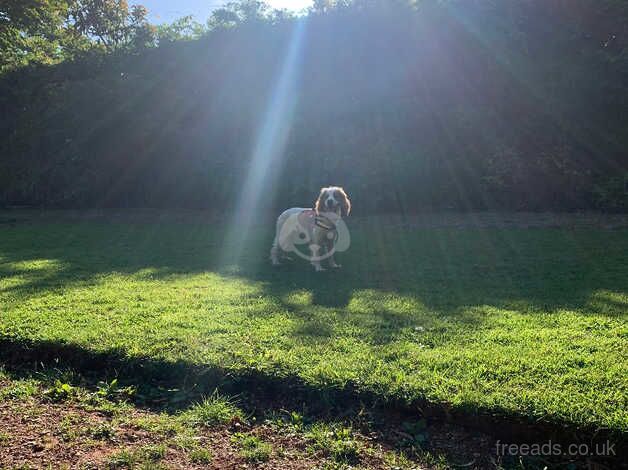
332, 199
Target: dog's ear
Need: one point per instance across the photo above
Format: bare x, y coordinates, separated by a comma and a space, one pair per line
319, 202
344, 201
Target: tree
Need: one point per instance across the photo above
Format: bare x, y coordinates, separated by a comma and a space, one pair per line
31, 31
50, 31
454, 103
238, 12
185, 28
112, 23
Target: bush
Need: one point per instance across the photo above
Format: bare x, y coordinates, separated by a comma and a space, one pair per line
612, 194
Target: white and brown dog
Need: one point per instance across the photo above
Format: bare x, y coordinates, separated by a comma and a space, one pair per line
321, 229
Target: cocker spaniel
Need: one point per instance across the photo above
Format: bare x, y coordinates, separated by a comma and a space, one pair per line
320, 229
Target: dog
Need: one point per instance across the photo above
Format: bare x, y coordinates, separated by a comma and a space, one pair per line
321, 228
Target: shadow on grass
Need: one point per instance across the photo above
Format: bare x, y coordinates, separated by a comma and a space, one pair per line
175, 386
445, 269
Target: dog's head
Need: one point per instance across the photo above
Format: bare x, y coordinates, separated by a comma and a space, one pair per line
333, 199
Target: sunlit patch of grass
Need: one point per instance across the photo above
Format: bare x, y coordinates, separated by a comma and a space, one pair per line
186, 440
72, 427
212, 411
153, 453
22, 273
159, 424
121, 459
18, 390
298, 298
200, 455
106, 407
253, 448
516, 322
397, 460
101, 432
69, 429
146, 457
335, 441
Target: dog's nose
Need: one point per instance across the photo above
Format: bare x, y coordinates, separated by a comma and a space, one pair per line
329, 203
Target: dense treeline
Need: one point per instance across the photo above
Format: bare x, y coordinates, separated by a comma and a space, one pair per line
465, 104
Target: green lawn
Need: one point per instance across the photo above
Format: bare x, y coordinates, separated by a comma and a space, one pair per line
522, 322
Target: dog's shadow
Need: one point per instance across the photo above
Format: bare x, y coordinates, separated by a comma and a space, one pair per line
330, 288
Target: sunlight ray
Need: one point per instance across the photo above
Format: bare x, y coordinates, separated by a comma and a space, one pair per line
269, 149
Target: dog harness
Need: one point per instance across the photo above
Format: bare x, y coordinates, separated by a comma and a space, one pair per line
309, 217
309, 220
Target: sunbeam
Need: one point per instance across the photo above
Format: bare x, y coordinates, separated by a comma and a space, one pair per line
269, 149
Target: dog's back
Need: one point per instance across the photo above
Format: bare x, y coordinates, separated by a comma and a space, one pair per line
280, 234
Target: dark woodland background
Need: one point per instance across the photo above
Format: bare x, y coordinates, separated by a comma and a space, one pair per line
424, 105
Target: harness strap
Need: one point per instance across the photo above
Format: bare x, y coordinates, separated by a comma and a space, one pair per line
324, 223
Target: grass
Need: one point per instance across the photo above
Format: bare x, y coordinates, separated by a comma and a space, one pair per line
20, 390
147, 457
153, 453
519, 322
335, 441
132, 437
212, 411
121, 459
253, 448
200, 456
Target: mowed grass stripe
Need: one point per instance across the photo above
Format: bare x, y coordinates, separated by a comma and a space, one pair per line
522, 322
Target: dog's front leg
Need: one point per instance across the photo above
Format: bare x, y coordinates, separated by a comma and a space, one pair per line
316, 257
331, 249
333, 264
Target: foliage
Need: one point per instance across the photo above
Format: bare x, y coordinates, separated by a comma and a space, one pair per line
612, 193
212, 411
410, 105
115, 425
336, 441
121, 459
46, 32
200, 456
30, 31
253, 448
113, 391
60, 391
184, 28
112, 23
